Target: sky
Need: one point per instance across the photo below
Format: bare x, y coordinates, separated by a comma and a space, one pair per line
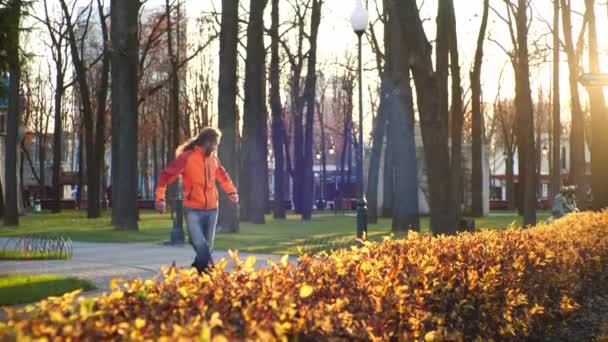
336, 39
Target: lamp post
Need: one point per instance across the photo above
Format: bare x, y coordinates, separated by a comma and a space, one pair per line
359, 18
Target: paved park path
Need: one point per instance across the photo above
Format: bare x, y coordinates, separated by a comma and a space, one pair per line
100, 262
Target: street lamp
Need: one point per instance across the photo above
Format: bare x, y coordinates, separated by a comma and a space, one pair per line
359, 18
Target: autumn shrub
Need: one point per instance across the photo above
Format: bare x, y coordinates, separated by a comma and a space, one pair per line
503, 285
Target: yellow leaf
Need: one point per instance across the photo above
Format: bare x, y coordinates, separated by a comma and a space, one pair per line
250, 262
431, 336
116, 295
215, 320
284, 260
219, 338
221, 265
537, 309
306, 291
56, 316
182, 291
140, 323
114, 283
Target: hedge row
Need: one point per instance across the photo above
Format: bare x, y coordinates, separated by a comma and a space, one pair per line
511, 284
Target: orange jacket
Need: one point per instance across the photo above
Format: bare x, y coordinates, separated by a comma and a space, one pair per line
199, 174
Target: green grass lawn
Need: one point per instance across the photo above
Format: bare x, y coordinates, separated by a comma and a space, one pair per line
22, 289
20, 255
275, 236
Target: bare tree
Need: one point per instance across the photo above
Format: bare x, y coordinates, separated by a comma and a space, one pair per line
477, 119
309, 96
399, 104
556, 117
577, 133
505, 118
125, 50
433, 109
278, 118
10, 23
254, 147
599, 127
94, 133
456, 113
228, 120
518, 26
57, 33
380, 121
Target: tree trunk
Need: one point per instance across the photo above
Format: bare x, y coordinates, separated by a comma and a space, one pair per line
510, 181
456, 172
478, 134
525, 119
298, 153
174, 116
1, 199
323, 159
577, 133
309, 95
42, 162
57, 134
87, 116
155, 160
146, 171
557, 127
227, 111
81, 181
11, 217
125, 51
375, 156
599, 155
95, 184
277, 115
433, 108
253, 158
388, 177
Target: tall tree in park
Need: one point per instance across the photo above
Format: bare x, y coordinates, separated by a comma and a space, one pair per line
577, 130
309, 96
278, 120
380, 122
456, 115
433, 109
599, 156
399, 102
296, 60
125, 57
477, 119
254, 146
505, 116
57, 33
94, 121
556, 109
518, 25
228, 120
525, 117
10, 24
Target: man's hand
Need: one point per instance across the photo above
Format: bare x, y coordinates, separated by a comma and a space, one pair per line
234, 198
160, 206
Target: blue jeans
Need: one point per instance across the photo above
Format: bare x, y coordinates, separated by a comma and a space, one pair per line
201, 229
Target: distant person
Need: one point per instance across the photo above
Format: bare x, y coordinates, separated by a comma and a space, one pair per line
564, 202
197, 163
571, 206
